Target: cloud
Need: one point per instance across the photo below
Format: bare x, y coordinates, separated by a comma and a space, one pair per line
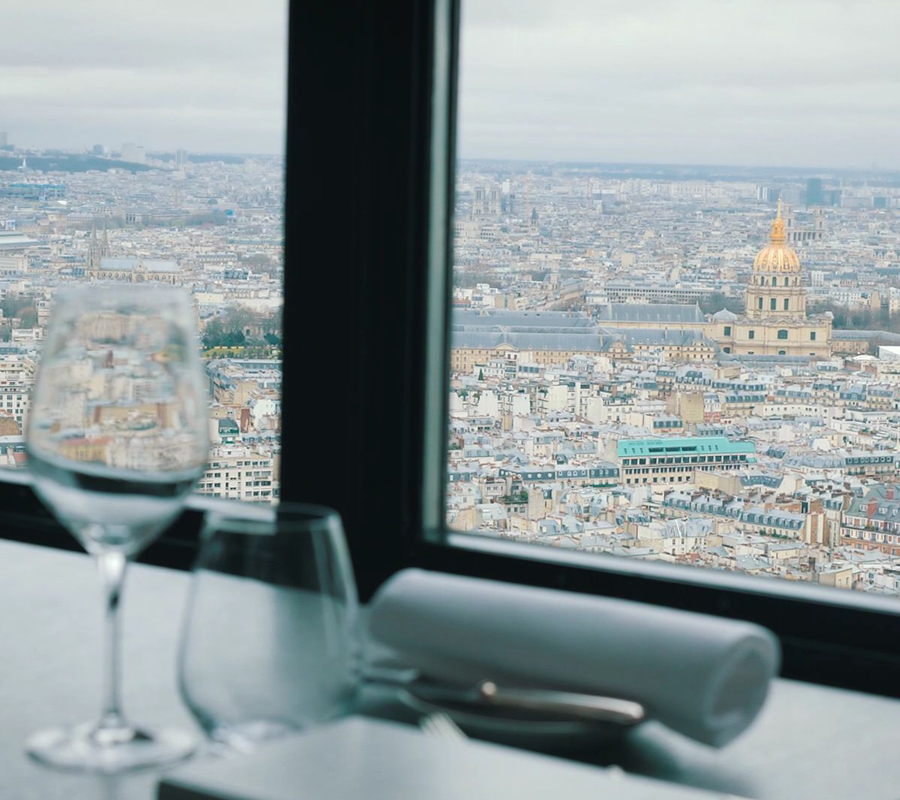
199, 74
803, 82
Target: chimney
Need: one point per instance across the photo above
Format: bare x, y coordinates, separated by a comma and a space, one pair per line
870, 508
889, 492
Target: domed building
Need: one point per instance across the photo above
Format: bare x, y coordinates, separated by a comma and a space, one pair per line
775, 320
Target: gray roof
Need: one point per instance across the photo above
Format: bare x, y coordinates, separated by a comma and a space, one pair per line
529, 340
765, 359
656, 336
520, 319
666, 313
562, 331
882, 336
15, 241
582, 340
836, 460
130, 263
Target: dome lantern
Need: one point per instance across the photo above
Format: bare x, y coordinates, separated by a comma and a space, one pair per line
777, 256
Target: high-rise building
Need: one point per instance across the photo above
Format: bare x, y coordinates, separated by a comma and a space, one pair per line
181, 157
814, 196
99, 150
133, 153
4, 138
832, 197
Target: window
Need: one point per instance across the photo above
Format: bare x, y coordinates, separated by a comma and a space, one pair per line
812, 336
144, 188
527, 257
387, 138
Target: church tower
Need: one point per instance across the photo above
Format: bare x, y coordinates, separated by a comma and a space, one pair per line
776, 290
97, 249
93, 259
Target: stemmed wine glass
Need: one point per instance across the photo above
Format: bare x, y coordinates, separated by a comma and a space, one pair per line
117, 437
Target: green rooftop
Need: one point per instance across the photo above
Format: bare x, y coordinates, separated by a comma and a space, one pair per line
683, 444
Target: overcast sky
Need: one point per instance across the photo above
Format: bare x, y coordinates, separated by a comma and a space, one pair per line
756, 82
206, 75
781, 82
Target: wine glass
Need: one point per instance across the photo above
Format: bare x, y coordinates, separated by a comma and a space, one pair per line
117, 437
270, 643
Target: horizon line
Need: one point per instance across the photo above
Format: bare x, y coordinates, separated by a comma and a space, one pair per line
674, 164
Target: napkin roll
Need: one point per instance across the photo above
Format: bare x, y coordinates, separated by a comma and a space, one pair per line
703, 676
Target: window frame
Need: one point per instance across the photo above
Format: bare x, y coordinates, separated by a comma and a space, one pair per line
377, 140
827, 636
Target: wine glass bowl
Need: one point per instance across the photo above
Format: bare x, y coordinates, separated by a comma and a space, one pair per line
270, 643
117, 436
117, 430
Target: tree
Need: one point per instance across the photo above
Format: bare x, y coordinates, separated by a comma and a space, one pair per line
481, 374
12, 304
273, 322
28, 317
464, 279
258, 262
716, 301
228, 329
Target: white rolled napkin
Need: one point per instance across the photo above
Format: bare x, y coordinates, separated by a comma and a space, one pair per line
703, 676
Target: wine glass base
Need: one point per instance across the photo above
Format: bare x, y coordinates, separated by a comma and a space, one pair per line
76, 748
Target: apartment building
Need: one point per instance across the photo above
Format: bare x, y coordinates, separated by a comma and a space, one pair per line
674, 460
239, 473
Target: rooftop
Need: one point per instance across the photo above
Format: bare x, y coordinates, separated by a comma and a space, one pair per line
685, 444
663, 313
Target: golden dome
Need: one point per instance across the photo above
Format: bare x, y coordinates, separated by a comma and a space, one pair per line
777, 256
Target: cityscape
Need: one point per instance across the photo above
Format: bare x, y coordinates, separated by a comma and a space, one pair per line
693, 365
211, 223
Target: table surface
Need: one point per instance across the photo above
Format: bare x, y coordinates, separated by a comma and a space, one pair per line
809, 742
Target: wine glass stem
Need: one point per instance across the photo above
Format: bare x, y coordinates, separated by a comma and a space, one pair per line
112, 569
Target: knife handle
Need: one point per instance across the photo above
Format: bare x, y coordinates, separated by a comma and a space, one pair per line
549, 701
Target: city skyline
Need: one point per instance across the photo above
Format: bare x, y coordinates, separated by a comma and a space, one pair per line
151, 150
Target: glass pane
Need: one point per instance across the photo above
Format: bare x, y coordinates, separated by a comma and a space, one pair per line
675, 328
140, 147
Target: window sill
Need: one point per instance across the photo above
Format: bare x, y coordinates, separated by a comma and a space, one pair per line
25, 519
830, 636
